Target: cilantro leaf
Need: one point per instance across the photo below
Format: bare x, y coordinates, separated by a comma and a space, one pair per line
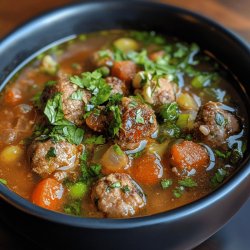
169, 112
220, 119
116, 122
138, 117
78, 95
93, 82
95, 140
73, 208
51, 153
187, 182
71, 133
53, 111
166, 183
218, 177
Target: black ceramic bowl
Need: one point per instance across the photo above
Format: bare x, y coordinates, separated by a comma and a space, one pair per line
182, 228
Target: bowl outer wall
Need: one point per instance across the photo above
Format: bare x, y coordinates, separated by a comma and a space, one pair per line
179, 229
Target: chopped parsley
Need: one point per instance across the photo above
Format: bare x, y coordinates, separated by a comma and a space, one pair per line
78, 95
218, 177
222, 155
115, 185
53, 111
178, 191
51, 153
116, 122
73, 208
97, 140
50, 83
187, 182
138, 117
166, 183
93, 82
220, 119
125, 189
118, 150
169, 112
72, 134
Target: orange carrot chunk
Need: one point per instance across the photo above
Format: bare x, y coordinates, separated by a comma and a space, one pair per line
188, 156
147, 169
48, 194
125, 70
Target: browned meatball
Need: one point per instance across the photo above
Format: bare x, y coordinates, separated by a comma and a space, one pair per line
117, 85
60, 158
214, 125
73, 109
102, 59
159, 92
138, 123
118, 195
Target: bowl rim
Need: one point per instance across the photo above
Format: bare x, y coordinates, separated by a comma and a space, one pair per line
135, 222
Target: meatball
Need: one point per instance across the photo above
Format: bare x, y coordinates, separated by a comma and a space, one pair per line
138, 123
159, 92
60, 158
213, 124
118, 86
102, 59
73, 109
118, 195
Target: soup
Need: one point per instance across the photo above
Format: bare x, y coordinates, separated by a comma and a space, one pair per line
120, 124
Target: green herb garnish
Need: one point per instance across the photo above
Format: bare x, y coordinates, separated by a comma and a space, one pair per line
166, 183
187, 182
118, 150
138, 117
51, 153
97, 140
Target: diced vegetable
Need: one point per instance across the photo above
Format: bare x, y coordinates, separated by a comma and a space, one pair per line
186, 101
48, 194
182, 121
147, 169
126, 44
11, 154
114, 160
124, 70
78, 190
49, 65
189, 155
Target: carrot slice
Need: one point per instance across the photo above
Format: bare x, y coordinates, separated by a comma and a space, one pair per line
48, 194
147, 169
189, 155
124, 70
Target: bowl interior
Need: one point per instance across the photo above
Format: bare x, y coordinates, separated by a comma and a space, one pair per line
22, 45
